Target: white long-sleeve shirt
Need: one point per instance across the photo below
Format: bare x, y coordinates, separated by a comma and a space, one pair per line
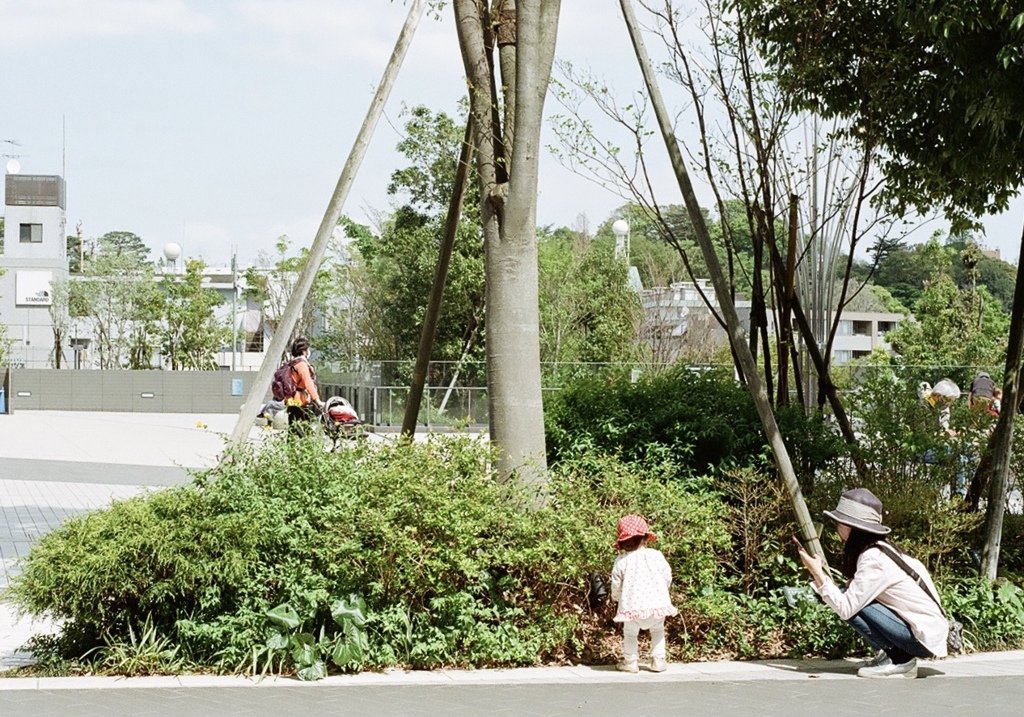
879, 579
640, 582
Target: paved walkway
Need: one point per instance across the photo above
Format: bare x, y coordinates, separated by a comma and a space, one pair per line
57, 464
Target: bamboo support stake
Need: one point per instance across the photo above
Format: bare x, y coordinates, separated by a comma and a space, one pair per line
278, 344
736, 334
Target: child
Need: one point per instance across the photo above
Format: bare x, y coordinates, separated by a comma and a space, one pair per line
640, 581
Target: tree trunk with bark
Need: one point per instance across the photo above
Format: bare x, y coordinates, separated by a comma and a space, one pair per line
507, 144
1002, 438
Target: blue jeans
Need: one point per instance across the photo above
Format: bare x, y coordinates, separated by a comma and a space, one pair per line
883, 629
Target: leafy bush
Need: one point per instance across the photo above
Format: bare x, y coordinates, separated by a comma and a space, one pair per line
452, 568
701, 420
286, 558
993, 615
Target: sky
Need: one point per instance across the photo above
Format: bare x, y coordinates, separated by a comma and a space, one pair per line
224, 124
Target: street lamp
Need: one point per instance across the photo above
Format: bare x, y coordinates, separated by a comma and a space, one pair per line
620, 227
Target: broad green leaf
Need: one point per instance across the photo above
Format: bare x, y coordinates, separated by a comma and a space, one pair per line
316, 671
284, 616
351, 608
277, 641
304, 649
347, 654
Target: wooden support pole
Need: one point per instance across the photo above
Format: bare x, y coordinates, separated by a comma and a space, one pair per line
429, 331
279, 343
735, 330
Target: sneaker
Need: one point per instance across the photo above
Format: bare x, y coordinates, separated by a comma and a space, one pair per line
628, 666
907, 670
658, 664
880, 658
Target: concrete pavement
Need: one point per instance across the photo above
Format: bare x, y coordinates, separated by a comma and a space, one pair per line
57, 464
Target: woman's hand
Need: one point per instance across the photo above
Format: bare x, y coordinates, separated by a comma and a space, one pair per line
813, 565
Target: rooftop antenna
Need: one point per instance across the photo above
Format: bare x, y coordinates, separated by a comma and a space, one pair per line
63, 146
13, 165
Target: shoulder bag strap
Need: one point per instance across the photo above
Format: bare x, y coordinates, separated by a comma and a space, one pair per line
294, 362
895, 557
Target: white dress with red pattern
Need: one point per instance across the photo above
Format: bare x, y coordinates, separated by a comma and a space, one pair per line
640, 582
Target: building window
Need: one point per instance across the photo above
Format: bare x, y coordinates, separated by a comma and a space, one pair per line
845, 327
31, 233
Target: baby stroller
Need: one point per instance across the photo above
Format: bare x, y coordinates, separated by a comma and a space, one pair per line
341, 420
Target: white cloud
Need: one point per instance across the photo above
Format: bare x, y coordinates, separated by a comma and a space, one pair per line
310, 32
48, 21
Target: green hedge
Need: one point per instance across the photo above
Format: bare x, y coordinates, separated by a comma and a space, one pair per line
453, 566
392, 555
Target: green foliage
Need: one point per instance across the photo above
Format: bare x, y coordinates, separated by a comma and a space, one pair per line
992, 614
397, 267
904, 271
452, 570
307, 640
956, 332
123, 244
703, 420
136, 655
289, 559
588, 312
862, 61
189, 332
397, 270
431, 144
120, 300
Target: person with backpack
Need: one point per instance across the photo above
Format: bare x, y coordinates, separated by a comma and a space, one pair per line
301, 399
888, 598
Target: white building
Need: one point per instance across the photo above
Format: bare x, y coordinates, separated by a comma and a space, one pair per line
677, 319
861, 332
34, 256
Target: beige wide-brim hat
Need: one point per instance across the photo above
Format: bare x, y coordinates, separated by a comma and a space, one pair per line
859, 508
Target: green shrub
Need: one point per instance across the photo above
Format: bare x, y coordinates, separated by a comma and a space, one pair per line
701, 421
453, 568
287, 558
993, 615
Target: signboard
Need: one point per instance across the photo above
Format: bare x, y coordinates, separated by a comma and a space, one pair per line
32, 288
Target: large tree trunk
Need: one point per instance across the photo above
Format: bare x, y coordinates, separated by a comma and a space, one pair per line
1002, 438
507, 165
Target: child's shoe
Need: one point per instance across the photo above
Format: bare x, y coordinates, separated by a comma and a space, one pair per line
659, 664
631, 666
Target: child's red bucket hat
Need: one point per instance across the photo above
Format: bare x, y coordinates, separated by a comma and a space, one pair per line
631, 526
